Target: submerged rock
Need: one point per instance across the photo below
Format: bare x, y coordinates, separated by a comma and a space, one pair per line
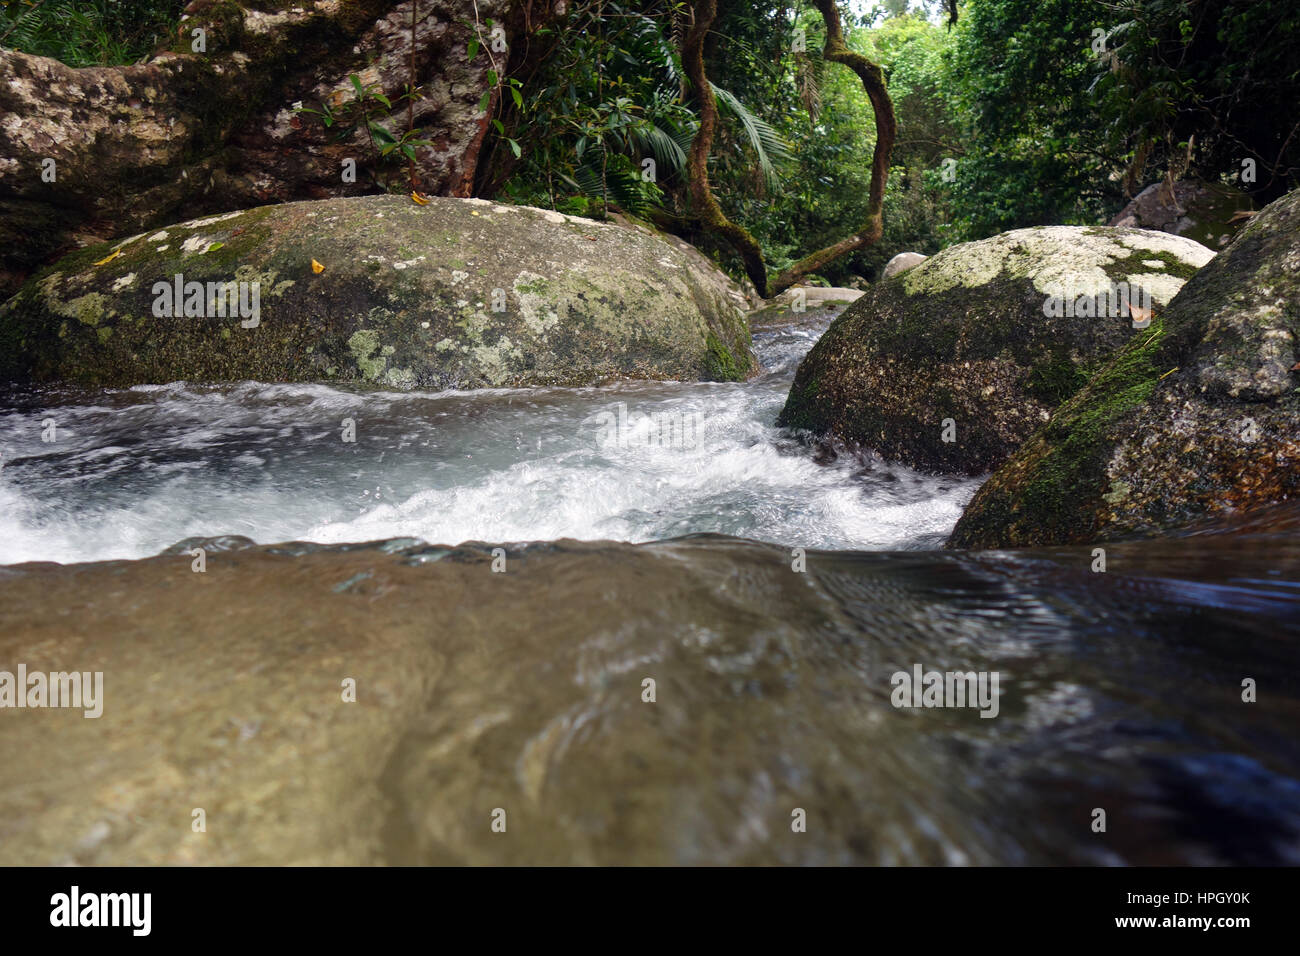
1197, 417
456, 293
951, 365
684, 702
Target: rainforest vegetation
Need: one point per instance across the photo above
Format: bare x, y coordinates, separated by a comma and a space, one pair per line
1009, 112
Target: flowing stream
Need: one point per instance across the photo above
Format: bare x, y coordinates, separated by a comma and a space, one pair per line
1123, 691
130, 472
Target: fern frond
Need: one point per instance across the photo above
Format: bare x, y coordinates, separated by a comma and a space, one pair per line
770, 148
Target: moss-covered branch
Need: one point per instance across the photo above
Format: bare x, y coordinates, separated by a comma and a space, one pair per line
702, 198
873, 81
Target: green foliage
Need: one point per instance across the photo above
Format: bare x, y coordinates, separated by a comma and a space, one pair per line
88, 32
602, 122
609, 119
1072, 104
823, 112
1044, 125
368, 106
1204, 85
1021, 72
768, 145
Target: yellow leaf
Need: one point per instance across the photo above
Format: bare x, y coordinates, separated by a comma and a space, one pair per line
316, 267
1139, 314
419, 199
109, 258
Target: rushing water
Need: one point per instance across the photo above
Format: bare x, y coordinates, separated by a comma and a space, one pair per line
132, 471
1120, 691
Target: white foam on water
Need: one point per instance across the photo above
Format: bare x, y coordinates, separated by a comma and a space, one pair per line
142, 468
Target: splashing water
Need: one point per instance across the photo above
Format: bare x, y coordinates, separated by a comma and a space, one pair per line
132, 471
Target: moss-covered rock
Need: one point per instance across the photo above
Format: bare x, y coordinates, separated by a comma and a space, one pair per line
1206, 212
792, 304
951, 365
456, 293
1195, 418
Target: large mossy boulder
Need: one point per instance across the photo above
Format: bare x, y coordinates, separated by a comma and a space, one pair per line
953, 364
1197, 417
383, 291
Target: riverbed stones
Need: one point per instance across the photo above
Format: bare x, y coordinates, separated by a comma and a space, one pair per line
1197, 417
792, 303
951, 365
380, 291
901, 263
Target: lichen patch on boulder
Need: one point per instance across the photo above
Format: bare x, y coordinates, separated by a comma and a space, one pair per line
950, 366
455, 293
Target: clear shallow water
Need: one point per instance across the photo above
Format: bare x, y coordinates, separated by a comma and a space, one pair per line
133, 471
1120, 691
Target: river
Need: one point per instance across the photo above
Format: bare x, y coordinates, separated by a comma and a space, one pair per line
1162, 691
126, 473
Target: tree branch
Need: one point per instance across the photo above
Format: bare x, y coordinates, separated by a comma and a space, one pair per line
873, 81
702, 198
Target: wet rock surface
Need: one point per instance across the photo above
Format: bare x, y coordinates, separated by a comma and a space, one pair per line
953, 364
1196, 417
524, 691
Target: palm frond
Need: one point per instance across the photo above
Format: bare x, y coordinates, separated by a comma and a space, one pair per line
770, 148
668, 153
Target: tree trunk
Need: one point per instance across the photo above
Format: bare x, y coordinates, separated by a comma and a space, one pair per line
702, 198
873, 81
706, 205
191, 133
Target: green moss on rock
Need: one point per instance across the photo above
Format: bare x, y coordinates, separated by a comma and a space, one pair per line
390, 307
965, 336
1196, 417
721, 365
